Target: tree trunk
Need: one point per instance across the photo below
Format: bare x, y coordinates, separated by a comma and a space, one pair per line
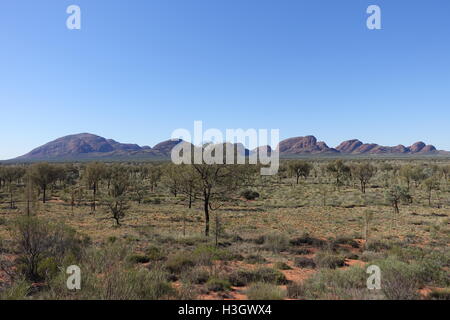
217, 229
396, 209
43, 197
95, 192
206, 207
184, 223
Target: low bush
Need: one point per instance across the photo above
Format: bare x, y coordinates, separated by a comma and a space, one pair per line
439, 294
195, 276
265, 291
305, 263
138, 258
326, 259
281, 266
275, 243
154, 253
306, 239
296, 290
255, 259
216, 284
179, 262
368, 256
244, 277
206, 254
249, 194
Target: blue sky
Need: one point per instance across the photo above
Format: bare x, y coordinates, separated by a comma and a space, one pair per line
139, 69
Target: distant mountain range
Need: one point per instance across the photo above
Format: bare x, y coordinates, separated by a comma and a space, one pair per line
86, 146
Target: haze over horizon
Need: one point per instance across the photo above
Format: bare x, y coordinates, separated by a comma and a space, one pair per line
137, 71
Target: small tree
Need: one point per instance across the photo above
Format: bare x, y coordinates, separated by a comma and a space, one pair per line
407, 173
117, 201
42, 175
11, 175
138, 189
36, 239
396, 194
154, 176
93, 173
429, 185
31, 201
299, 169
363, 173
339, 171
215, 184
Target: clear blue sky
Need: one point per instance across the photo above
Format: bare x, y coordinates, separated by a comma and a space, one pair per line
139, 69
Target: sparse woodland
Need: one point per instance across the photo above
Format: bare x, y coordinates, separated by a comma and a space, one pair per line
160, 231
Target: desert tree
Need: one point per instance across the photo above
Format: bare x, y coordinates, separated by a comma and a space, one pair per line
30, 195
42, 174
107, 176
138, 189
216, 183
171, 178
93, 173
189, 180
11, 175
117, 201
339, 171
154, 176
407, 172
419, 174
388, 172
363, 172
299, 168
70, 175
282, 172
395, 195
430, 184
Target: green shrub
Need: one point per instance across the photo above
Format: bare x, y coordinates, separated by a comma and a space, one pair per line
306, 239
367, 256
306, 263
346, 241
326, 259
440, 294
217, 284
112, 239
142, 284
249, 194
138, 258
378, 245
275, 243
19, 290
265, 291
47, 268
205, 254
154, 253
244, 277
350, 283
296, 290
179, 262
400, 281
195, 276
281, 266
255, 259
37, 239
